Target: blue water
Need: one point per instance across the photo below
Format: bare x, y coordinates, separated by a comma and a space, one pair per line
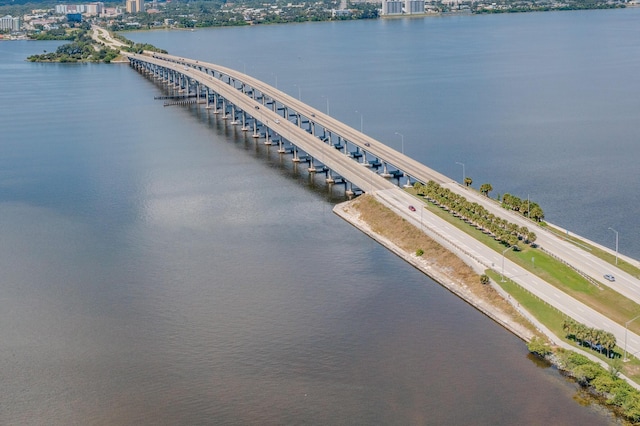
543, 105
158, 266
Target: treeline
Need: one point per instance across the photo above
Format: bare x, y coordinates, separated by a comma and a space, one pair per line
524, 207
606, 385
596, 339
80, 50
475, 214
137, 47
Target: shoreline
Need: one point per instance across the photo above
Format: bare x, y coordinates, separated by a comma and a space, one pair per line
438, 272
347, 211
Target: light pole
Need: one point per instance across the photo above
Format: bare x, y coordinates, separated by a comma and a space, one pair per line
276, 76
244, 67
616, 243
299, 92
626, 326
505, 250
401, 141
463, 173
327, 103
361, 120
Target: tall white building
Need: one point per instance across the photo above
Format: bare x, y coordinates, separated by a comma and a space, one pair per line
135, 6
10, 23
392, 7
399, 7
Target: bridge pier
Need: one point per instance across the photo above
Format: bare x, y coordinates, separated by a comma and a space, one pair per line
295, 158
385, 173
312, 167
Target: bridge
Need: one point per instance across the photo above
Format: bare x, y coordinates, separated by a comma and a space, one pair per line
335, 148
279, 118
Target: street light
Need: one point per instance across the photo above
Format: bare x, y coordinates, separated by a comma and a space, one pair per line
626, 325
616, 243
244, 66
505, 250
401, 141
463, 173
327, 103
361, 120
299, 92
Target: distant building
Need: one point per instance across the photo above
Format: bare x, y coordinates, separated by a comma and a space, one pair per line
74, 17
414, 6
95, 8
10, 23
392, 7
399, 7
135, 6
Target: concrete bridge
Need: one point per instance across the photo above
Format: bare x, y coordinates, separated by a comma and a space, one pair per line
365, 163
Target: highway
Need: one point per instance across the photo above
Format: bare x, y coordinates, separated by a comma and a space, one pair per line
398, 200
459, 242
580, 259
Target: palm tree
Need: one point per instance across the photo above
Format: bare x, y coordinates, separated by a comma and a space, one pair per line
485, 189
468, 181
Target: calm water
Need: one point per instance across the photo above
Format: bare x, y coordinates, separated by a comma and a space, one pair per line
158, 267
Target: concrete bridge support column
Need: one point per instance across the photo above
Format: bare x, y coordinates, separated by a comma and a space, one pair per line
385, 173
215, 103
295, 158
408, 184
224, 109
208, 92
329, 177
348, 189
281, 149
312, 167
255, 128
364, 158
244, 121
266, 137
233, 114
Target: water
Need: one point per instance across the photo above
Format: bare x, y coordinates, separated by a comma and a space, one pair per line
539, 106
159, 267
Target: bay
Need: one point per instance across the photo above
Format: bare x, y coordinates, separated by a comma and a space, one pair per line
160, 267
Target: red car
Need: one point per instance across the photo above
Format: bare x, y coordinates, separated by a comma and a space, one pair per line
413, 209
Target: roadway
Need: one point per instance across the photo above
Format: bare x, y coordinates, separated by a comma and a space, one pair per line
399, 200
625, 284
486, 258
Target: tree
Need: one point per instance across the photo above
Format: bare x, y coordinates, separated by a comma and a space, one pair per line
484, 279
468, 181
485, 189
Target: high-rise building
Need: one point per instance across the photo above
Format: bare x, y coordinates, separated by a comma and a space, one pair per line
135, 6
10, 23
392, 7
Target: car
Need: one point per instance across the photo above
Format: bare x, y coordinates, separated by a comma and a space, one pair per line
277, 121
609, 277
257, 107
367, 144
413, 209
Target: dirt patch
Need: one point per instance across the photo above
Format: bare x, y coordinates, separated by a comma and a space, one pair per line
395, 233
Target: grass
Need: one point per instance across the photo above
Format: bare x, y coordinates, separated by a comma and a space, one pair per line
598, 252
602, 299
386, 223
553, 319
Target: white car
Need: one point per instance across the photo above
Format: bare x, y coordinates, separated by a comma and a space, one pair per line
609, 277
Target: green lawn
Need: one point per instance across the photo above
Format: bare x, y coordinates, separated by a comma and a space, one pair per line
601, 298
553, 319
